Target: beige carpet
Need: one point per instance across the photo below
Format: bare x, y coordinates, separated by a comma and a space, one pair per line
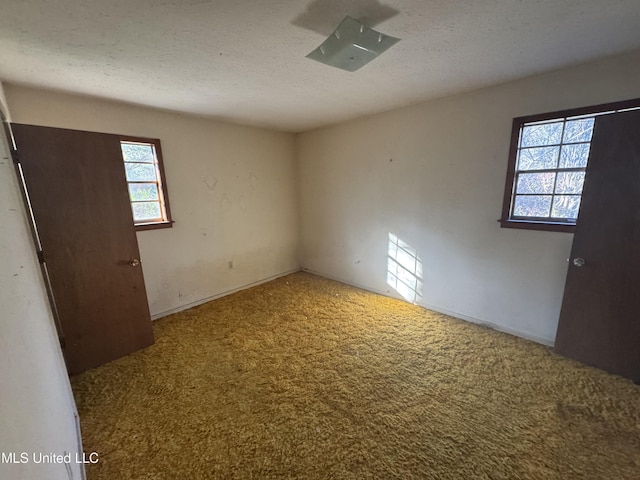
305, 378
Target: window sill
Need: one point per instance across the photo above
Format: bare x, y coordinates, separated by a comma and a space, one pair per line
153, 226
532, 225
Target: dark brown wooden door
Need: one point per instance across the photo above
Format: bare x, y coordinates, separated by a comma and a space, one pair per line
76, 184
600, 317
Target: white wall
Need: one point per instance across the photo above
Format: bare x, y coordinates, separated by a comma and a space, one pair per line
434, 175
232, 192
37, 410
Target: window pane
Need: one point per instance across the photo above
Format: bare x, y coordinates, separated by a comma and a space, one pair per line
578, 130
566, 206
570, 182
146, 211
532, 206
140, 172
544, 134
535, 182
143, 191
134, 152
538, 158
574, 155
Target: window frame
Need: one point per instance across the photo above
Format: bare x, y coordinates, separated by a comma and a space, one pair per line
163, 191
517, 124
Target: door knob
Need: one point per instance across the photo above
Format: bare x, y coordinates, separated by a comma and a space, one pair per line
578, 262
135, 262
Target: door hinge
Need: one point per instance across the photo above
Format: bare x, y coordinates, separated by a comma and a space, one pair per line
15, 156
40, 256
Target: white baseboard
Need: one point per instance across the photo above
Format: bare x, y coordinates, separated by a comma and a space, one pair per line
494, 326
187, 306
501, 328
435, 308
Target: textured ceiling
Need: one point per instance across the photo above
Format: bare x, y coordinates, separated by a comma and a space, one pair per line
244, 60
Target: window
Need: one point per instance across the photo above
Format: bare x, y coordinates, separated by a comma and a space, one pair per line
547, 167
146, 183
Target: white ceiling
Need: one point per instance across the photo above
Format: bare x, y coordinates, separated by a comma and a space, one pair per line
244, 60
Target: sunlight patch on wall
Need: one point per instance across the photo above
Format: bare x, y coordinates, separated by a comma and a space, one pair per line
404, 269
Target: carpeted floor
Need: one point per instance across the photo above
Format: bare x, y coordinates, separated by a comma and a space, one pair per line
305, 378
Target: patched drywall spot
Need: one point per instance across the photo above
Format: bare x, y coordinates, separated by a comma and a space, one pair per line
225, 202
210, 182
253, 180
242, 203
